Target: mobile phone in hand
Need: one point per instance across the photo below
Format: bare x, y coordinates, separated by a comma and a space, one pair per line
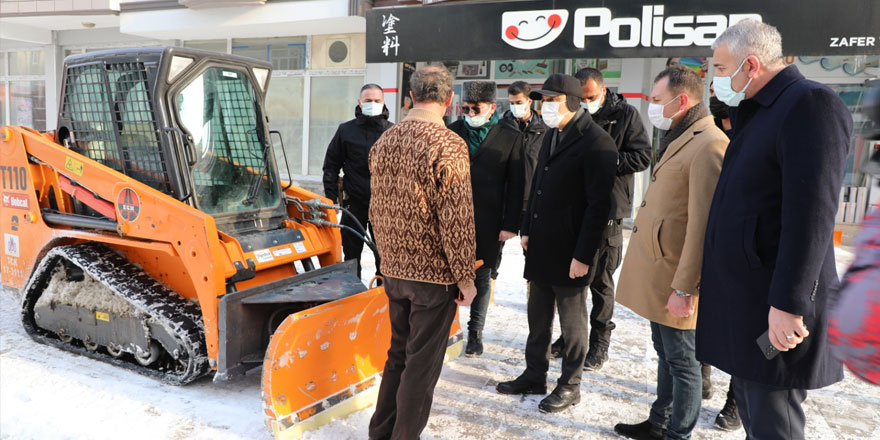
767, 348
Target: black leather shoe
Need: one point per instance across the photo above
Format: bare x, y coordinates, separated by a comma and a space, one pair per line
595, 359
728, 419
706, 372
561, 398
474, 344
642, 431
521, 386
556, 348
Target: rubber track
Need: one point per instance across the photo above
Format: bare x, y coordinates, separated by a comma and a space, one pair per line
181, 318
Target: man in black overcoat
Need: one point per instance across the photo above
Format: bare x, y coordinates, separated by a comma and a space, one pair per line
769, 258
562, 230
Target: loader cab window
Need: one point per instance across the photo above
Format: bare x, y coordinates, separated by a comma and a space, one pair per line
233, 172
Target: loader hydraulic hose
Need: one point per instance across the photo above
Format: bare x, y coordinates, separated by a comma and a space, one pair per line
361, 232
367, 241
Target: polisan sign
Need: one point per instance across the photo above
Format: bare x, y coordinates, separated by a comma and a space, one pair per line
535, 29
605, 29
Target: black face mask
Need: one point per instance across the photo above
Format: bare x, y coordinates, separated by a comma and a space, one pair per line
718, 108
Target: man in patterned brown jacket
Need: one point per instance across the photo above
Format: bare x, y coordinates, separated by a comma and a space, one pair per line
422, 212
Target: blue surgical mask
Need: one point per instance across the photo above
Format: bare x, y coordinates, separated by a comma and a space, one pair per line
724, 89
372, 108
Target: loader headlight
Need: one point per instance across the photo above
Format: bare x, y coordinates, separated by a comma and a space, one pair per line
178, 65
262, 75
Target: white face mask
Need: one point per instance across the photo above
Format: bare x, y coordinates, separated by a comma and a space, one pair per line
592, 106
724, 89
476, 121
655, 115
372, 108
550, 113
519, 111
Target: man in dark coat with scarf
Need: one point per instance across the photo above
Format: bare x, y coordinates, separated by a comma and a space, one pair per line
497, 176
349, 151
562, 230
768, 263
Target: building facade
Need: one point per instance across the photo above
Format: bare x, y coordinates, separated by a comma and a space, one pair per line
323, 51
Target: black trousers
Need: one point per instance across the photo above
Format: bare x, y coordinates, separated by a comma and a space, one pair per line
352, 245
603, 266
421, 315
607, 261
769, 412
572, 307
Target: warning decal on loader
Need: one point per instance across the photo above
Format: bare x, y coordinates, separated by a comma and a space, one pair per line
129, 204
74, 166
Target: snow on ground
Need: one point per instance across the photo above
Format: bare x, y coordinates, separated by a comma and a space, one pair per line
49, 394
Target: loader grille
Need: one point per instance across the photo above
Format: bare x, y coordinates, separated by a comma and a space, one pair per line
112, 120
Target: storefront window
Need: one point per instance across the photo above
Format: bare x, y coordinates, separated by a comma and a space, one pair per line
284, 106
283, 53
333, 99
211, 45
28, 104
525, 69
30, 62
860, 148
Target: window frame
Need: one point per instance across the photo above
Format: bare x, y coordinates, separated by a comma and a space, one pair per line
6, 79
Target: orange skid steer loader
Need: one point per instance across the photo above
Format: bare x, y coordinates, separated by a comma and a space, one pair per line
151, 230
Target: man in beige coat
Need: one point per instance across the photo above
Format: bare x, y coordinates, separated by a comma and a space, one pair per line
660, 278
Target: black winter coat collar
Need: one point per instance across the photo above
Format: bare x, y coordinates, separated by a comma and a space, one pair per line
381, 121
573, 132
536, 125
611, 109
767, 95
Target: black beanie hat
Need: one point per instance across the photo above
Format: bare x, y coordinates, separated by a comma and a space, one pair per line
478, 91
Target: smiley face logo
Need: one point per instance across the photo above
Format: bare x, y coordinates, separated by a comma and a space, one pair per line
532, 29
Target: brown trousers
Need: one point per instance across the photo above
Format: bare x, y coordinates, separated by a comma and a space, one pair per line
421, 315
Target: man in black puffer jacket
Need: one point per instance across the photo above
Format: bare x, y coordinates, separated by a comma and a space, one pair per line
349, 151
622, 121
522, 118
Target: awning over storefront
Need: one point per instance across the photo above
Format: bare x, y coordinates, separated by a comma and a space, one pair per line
612, 29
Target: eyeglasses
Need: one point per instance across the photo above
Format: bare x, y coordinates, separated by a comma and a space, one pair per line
466, 109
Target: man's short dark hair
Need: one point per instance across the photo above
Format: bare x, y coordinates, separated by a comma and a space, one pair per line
683, 80
431, 84
519, 88
589, 73
371, 86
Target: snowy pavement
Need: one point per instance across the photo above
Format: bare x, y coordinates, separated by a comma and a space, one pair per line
49, 394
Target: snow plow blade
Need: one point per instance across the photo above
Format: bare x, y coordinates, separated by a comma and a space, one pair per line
326, 362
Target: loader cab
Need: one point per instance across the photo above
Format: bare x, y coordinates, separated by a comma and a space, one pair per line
186, 122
